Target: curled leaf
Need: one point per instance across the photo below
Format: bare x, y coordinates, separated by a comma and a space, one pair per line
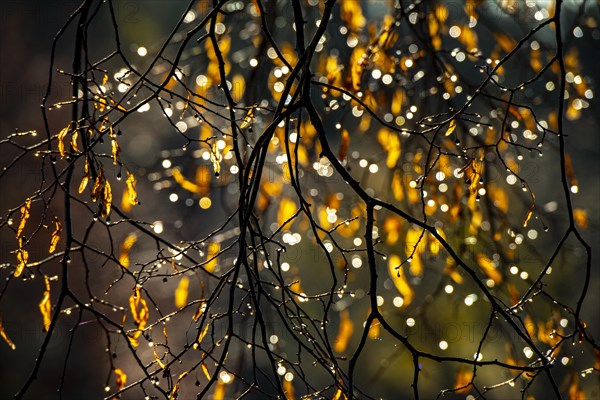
106, 201
5, 336
451, 128
86, 177
55, 235
24, 217
248, 118
121, 379
133, 199
46, 306
139, 311
125, 248
61, 140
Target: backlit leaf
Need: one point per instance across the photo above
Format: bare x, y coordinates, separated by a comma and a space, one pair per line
211, 256
5, 336
45, 306
248, 118
488, 267
130, 182
451, 128
413, 250
463, 380
288, 388
24, 217
55, 235
399, 278
287, 208
61, 140
140, 313
181, 293
344, 332
106, 200
344, 144
121, 379
580, 217
125, 248
86, 177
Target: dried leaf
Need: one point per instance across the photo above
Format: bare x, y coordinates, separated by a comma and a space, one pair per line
46, 306
488, 267
181, 293
61, 137
121, 379
22, 257
528, 216
86, 177
139, 312
248, 118
175, 391
216, 157
463, 380
133, 199
106, 201
199, 311
160, 363
451, 128
219, 393
98, 185
205, 371
344, 332
55, 235
24, 217
125, 248
288, 388
5, 336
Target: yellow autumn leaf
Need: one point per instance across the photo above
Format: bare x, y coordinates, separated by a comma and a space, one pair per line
374, 329
181, 293
397, 188
451, 270
413, 250
61, 140
106, 200
86, 177
175, 391
392, 227
488, 267
344, 332
351, 13
399, 278
463, 380
140, 313
45, 306
22, 257
55, 235
5, 336
125, 248
219, 393
288, 388
248, 118
580, 217
131, 182
216, 157
287, 208
391, 144
211, 256
24, 217
205, 371
121, 379
98, 185
160, 363
451, 128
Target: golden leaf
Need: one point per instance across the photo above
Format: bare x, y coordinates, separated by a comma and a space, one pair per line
391, 144
61, 137
55, 235
248, 118
414, 249
139, 312
211, 256
175, 391
219, 393
22, 257
528, 216
205, 371
374, 329
160, 363
287, 208
344, 144
203, 333
98, 185
344, 332
24, 217
580, 217
125, 248
181, 293
199, 311
216, 157
74, 145
106, 201
451, 271
397, 189
288, 388
463, 380
498, 197
86, 177
133, 199
358, 60
351, 14
488, 267
121, 379
399, 278
46, 306
392, 226
114, 149
451, 128
5, 336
